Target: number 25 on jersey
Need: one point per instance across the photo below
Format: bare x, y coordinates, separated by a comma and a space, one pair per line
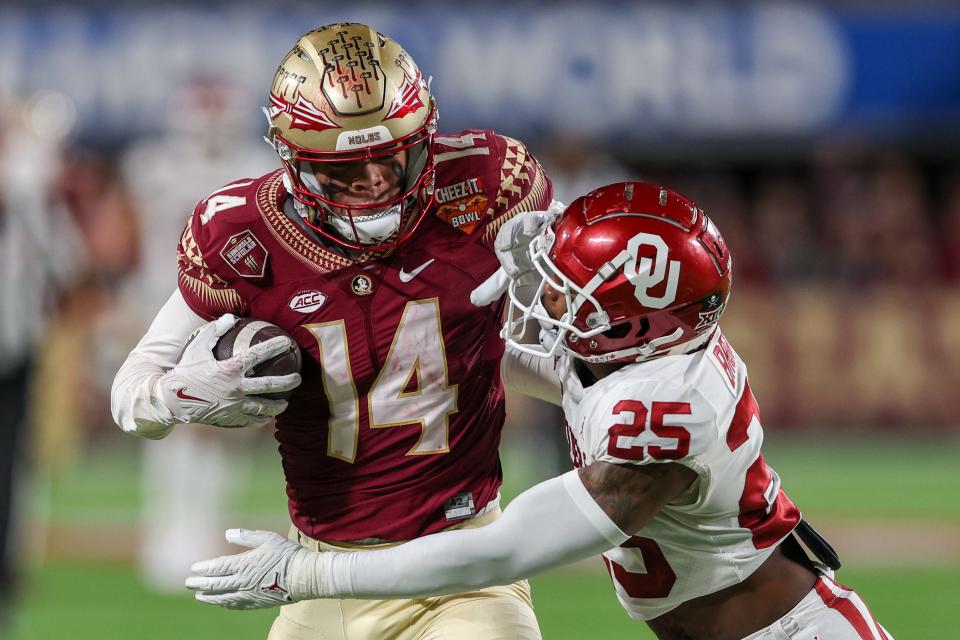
619, 445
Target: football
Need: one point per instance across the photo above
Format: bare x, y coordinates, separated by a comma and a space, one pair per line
248, 332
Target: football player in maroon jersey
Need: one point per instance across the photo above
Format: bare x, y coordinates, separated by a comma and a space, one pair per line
364, 248
671, 485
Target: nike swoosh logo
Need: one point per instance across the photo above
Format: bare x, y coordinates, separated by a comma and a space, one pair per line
184, 396
407, 277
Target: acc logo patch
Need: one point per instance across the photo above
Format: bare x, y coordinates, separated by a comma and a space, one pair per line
246, 254
464, 214
307, 301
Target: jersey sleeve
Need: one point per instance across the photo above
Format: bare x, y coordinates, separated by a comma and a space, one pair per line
524, 186
208, 294
531, 375
650, 422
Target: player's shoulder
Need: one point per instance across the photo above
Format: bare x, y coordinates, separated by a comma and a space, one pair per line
651, 412
480, 151
230, 220
671, 379
224, 242
719, 372
483, 178
471, 148
467, 163
235, 204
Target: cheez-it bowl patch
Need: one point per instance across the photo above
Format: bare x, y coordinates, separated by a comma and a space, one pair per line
464, 214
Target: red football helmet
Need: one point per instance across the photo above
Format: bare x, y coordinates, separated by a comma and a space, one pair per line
644, 272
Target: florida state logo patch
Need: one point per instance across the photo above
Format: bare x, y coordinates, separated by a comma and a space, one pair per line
362, 285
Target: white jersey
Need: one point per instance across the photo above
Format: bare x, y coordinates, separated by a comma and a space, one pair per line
696, 410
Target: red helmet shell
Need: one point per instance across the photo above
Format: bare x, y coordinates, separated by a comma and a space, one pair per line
665, 264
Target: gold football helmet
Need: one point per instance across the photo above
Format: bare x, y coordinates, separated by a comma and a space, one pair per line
347, 98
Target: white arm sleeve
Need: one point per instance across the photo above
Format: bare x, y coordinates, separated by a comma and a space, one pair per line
551, 524
531, 375
133, 398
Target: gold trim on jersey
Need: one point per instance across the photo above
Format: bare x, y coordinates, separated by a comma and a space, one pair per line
198, 279
342, 426
289, 235
422, 384
518, 164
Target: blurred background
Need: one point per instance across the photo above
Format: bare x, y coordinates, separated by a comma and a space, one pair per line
824, 140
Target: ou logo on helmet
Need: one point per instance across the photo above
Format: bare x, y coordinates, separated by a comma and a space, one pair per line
646, 273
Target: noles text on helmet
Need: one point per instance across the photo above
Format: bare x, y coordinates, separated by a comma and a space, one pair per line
352, 120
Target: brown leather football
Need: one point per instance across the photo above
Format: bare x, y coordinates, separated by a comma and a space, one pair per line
248, 332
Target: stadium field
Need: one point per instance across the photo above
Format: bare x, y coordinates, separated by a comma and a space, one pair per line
890, 507
80, 601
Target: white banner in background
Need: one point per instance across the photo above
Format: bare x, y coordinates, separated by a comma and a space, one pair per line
616, 73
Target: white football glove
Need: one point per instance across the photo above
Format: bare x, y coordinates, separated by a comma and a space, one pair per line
511, 246
202, 389
276, 571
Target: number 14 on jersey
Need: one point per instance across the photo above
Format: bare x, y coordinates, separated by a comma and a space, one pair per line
411, 388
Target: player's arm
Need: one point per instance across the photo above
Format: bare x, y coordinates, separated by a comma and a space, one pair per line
559, 521
135, 385
511, 246
530, 375
524, 204
632, 495
157, 387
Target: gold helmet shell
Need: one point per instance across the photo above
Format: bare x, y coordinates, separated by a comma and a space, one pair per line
346, 93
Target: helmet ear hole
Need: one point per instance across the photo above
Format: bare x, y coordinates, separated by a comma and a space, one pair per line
617, 331
644, 328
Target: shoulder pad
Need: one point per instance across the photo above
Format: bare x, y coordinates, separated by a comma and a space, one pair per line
220, 247
484, 179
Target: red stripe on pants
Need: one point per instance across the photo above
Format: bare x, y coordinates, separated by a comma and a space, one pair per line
846, 608
883, 632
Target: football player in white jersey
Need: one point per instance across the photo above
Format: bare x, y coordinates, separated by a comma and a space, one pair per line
670, 486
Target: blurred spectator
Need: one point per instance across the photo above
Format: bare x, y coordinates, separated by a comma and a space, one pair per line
877, 221
38, 255
723, 199
577, 167
71, 359
900, 225
188, 476
948, 238
839, 194
783, 227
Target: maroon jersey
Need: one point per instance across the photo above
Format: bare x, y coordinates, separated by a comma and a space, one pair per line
394, 432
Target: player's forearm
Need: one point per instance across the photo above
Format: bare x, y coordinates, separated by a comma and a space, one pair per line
530, 375
134, 398
552, 524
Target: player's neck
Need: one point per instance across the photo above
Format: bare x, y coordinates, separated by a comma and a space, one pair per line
602, 370
590, 372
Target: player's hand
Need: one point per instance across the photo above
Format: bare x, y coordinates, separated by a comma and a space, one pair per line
275, 571
202, 389
512, 248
